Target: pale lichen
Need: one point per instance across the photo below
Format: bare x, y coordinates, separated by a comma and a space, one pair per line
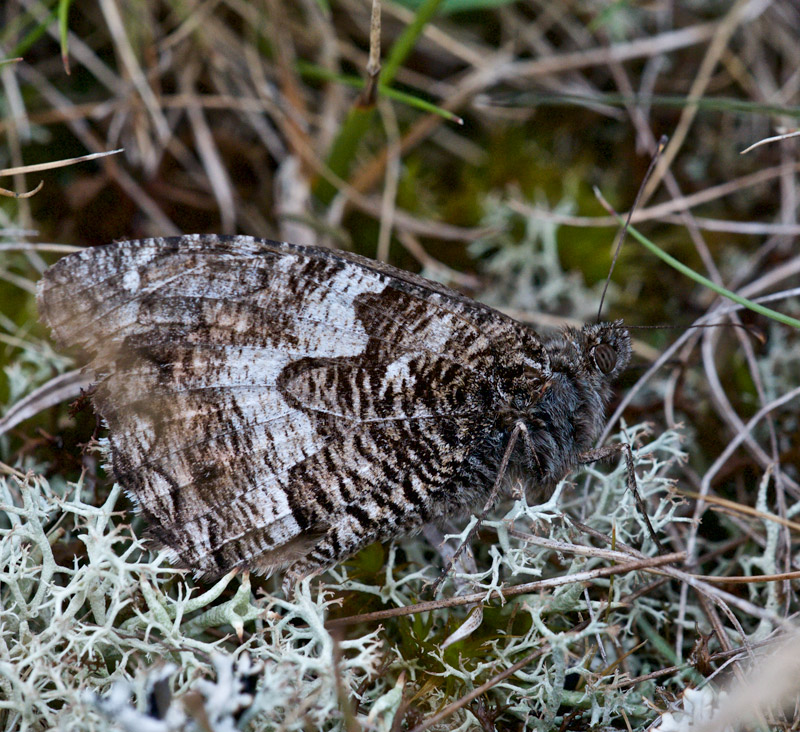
72, 630
97, 633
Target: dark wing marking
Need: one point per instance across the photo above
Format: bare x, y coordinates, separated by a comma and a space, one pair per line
257, 393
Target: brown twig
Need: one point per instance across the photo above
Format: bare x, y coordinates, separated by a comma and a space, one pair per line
648, 564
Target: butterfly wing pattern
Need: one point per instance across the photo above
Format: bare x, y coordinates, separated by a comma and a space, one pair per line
271, 404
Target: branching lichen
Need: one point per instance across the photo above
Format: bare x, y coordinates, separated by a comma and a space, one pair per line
98, 628
113, 637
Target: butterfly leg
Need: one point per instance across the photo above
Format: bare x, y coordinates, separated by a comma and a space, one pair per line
610, 451
519, 430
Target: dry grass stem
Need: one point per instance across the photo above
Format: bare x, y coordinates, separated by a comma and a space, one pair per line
275, 119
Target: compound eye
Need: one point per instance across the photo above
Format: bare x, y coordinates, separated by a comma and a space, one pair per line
605, 357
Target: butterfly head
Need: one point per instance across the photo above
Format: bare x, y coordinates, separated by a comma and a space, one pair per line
606, 348
596, 354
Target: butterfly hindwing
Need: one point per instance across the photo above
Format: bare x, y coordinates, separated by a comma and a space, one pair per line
269, 403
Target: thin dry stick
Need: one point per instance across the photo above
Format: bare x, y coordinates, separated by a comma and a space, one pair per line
577, 549
748, 228
130, 62
740, 508
412, 245
649, 564
661, 211
56, 163
721, 400
39, 247
345, 701
767, 140
27, 194
710, 611
715, 50
754, 579
64, 387
482, 689
207, 150
370, 92
389, 202
705, 486
498, 70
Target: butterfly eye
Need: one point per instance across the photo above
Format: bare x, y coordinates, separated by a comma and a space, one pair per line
605, 357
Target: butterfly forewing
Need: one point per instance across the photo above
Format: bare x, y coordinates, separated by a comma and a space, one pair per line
269, 403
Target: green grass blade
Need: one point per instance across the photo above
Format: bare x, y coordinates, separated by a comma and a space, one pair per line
719, 104
683, 269
312, 71
407, 40
63, 30
15, 27
459, 6
343, 150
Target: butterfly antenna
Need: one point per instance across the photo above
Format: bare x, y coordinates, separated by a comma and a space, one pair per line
751, 330
662, 143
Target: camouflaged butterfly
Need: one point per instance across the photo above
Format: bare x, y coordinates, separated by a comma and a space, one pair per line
274, 405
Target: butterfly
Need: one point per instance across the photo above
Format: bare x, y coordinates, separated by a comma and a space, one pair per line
272, 405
